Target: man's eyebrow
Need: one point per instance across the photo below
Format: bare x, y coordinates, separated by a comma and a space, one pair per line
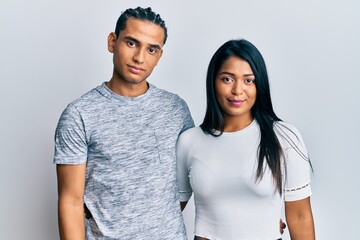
131, 39
138, 42
155, 46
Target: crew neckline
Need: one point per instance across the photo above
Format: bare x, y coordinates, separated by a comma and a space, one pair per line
107, 92
239, 131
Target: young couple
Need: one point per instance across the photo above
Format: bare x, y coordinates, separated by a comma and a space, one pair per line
120, 159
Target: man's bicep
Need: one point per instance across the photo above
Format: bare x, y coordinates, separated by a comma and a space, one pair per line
71, 145
71, 181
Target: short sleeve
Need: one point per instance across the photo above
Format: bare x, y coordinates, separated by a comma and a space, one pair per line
70, 138
182, 152
187, 119
298, 168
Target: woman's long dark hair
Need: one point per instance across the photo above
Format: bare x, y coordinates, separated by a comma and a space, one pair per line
269, 147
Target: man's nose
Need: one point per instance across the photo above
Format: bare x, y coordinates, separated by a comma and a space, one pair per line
139, 56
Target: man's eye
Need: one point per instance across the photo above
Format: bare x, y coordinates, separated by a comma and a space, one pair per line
152, 50
131, 44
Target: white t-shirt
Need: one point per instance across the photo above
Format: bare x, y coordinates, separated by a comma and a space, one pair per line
221, 171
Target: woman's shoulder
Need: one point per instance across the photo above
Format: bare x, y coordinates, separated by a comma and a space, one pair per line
286, 127
287, 134
188, 139
193, 132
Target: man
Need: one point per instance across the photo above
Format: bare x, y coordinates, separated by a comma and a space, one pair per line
115, 145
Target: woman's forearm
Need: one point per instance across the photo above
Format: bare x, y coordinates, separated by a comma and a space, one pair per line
300, 220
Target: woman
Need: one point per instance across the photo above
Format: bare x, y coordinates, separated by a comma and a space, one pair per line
244, 162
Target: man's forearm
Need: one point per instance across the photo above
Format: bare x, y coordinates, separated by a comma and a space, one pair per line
71, 220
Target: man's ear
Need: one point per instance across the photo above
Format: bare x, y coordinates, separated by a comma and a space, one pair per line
111, 41
161, 53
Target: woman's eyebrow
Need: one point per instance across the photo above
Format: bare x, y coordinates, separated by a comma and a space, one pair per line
227, 73
249, 75
232, 74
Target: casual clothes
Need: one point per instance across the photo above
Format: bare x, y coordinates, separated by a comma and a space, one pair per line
128, 145
221, 171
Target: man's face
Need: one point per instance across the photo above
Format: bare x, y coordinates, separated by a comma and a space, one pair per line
136, 50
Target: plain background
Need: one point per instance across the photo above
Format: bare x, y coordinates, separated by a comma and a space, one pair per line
51, 52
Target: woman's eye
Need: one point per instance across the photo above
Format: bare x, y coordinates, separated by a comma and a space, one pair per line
227, 79
249, 81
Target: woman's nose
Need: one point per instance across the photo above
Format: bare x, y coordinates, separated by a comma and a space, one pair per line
237, 88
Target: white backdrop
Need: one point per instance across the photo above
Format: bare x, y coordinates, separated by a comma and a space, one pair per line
51, 52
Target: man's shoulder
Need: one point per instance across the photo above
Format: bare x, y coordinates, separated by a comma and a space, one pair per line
166, 95
90, 98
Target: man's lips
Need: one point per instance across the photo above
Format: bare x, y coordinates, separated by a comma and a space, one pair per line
135, 70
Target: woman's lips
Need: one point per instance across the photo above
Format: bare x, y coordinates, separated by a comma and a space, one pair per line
236, 102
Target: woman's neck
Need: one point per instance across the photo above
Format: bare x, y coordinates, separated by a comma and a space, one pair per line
234, 124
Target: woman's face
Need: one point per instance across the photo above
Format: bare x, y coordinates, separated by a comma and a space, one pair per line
236, 90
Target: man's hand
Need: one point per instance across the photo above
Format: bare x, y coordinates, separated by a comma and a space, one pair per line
282, 226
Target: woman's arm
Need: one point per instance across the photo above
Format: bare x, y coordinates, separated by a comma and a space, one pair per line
71, 184
300, 220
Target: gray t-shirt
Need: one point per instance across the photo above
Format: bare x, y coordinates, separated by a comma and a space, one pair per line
128, 145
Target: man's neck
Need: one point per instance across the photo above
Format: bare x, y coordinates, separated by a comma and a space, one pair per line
127, 89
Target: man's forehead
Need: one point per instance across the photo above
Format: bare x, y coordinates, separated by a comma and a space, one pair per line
144, 32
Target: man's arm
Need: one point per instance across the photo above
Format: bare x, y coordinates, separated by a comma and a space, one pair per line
300, 220
71, 184
282, 226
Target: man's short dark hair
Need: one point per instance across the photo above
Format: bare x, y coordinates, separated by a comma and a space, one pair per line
145, 14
